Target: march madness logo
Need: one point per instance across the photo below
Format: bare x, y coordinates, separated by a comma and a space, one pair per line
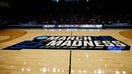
72, 42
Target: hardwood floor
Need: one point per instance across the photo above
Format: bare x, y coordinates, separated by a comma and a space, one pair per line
36, 61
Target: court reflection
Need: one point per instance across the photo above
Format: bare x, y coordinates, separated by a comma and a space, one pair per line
34, 62
101, 62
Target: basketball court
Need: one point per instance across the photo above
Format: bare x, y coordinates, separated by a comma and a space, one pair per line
64, 61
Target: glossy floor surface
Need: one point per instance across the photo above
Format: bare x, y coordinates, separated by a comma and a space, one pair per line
36, 61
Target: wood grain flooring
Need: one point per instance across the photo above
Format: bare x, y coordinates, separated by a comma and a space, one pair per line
36, 61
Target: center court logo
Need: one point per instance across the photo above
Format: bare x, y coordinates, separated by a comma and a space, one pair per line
72, 42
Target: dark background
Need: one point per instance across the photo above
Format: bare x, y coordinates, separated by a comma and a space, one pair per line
34, 12
47, 7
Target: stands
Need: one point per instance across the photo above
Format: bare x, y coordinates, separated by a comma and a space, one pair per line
67, 21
